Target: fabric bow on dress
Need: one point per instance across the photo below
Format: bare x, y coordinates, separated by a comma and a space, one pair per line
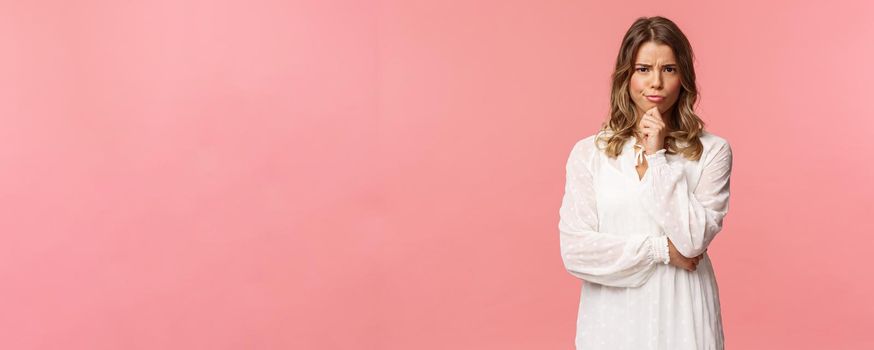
638, 154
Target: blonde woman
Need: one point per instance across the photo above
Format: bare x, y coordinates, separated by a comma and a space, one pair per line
644, 198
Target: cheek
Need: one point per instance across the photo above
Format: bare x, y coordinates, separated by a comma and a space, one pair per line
675, 86
636, 84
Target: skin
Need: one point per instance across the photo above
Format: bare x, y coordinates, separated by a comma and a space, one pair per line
656, 73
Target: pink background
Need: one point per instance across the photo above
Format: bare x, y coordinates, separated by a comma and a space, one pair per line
387, 174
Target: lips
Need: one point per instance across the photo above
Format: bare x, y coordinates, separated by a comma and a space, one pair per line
655, 98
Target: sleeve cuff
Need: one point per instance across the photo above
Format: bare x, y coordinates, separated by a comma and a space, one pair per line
659, 251
657, 158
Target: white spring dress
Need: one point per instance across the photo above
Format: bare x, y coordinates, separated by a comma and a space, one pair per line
613, 230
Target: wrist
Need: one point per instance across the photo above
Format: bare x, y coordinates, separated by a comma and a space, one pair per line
656, 159
660, 250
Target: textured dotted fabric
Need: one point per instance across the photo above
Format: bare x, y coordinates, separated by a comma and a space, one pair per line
614, 228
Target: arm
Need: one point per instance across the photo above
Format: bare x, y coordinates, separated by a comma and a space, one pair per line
600, 257
690, 219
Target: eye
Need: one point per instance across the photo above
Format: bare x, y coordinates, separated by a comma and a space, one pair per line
642, 69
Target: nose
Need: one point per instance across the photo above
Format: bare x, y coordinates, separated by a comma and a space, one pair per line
656, 80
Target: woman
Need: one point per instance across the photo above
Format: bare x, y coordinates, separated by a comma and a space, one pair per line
644, 198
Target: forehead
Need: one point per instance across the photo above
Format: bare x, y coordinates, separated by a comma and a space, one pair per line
653, 52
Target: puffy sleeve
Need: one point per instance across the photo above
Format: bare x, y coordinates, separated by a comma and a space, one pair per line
600, 257
690, 218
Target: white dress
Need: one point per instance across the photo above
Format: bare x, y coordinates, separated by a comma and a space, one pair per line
613, 230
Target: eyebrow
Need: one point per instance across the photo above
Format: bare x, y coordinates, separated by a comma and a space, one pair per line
649, 65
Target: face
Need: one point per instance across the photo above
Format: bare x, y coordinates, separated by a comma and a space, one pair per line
655, 73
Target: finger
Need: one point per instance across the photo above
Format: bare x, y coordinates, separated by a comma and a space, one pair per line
654, 112
652, 121
646, 119
649, 130
650, 124
655, 121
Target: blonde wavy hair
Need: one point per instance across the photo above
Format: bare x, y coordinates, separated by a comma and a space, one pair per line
685, 125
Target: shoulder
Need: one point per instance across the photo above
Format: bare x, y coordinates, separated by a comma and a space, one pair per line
713, 142
586, 147
716, 148
584, 151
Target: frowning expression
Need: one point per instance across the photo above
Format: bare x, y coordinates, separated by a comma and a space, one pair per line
656, 80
